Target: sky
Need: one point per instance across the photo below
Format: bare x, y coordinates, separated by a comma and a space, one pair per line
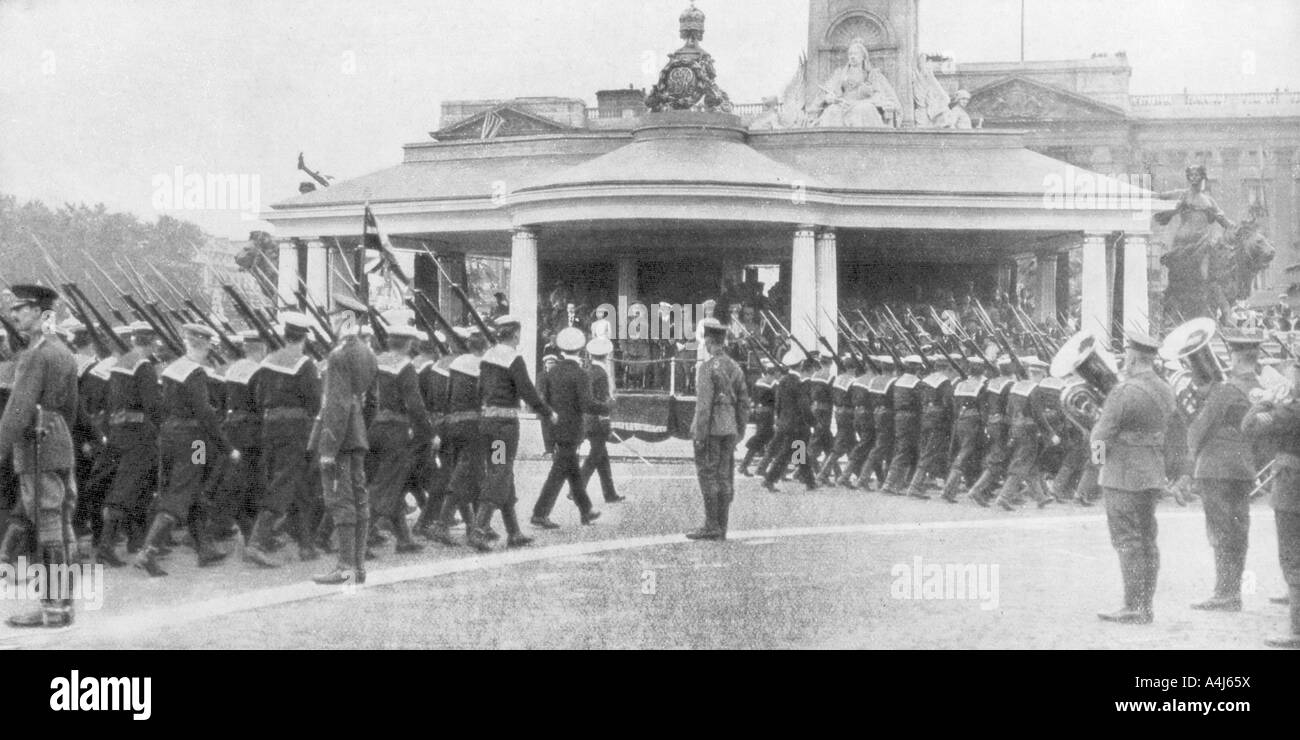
103, 100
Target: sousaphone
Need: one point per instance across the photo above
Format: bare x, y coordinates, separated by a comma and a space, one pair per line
1085, 356
1190, 346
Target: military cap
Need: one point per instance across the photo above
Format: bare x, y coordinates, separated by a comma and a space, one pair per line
41, 297
506, 320
1240, 342
1033, 363
884, 361
294, 324
70, 328
912, 360
571, 340
250, 335
794, 357
343, 302
714, 329
975, 361
199, 330
402, 331
600, 347
141, 327
1141, 341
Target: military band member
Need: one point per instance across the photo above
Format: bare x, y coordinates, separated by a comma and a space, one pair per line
997, 427
967, 427
860, 408
598, 427
134, 416
1029, 427
503, 384
936, 426
339, 438
463, 442
881, 391
400, 426
907, 426
721, 413
846, 437
793, 423
763, 414
1129, 438
1224, 472
191, 441
1277, 420
34, 433
569, 396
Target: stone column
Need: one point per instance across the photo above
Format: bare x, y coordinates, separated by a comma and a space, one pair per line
627, 283
1094, 314
287, 268
523, 293
1045, 290
828, 283
1137, 297
318, 274
803, 283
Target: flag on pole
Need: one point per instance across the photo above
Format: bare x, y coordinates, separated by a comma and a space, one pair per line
374, 238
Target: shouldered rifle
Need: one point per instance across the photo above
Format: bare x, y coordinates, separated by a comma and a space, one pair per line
776, 324
909, 340
821, 339
460, 293
84, 309
884, 342
442, 347
420, 297
1001, 341
861, 350
251, 318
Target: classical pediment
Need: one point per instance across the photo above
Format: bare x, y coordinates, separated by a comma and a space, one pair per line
502, 121
1018, 99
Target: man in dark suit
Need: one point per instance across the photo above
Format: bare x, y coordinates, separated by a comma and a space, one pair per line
568, 393
34, 431
1225, 472
1129, 440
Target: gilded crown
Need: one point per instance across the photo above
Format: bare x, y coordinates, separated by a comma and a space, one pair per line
692, 22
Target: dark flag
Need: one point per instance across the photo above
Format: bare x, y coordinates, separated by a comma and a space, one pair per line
373, 238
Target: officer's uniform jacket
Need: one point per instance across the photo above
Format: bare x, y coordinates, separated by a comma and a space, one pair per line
349, 373
1214, 437
1279, 423
45, 375
722, 399
1131, 432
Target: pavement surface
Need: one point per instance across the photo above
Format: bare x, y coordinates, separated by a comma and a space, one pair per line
828, 569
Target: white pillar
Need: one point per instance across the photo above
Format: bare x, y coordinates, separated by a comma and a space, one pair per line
1094, 314
318, 274
287, 267
1045, 299
1137, 296
828, 283
523, 292
803, 284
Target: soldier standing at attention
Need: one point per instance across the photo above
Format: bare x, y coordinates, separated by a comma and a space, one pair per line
503, 383
764, 416
1279, 422
1129, 438
34, 431
339, 437
134, 415
597, 425
191, 441
721, 413
288, 396
569, 395
400, 427
1225, 472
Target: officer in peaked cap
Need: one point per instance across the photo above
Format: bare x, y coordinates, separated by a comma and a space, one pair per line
569, 395
721, 413
34, 431
1129, 438
1224, 472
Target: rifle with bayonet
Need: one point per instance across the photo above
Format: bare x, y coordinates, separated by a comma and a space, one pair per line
861, 349
1000, 340
254, 321
460, 293
785, 333
912, 342
82, 306
884, 342
173, 345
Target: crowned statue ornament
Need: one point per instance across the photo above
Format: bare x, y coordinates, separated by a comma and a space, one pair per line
689, 80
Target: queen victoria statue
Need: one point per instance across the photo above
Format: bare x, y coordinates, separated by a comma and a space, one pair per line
857, 95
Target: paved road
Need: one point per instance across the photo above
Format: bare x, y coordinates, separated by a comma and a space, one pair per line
833, 569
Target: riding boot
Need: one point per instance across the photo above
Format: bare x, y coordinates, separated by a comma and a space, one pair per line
1228, 565
476, 531
1137, 608
710, 530
345, 570
159, 531
207, 550
514, 536
105, 552
724, 511
402, 531
325, 534
255, 551
55, 610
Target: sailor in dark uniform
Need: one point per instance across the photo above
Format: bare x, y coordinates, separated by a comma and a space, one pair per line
793, 422
399, 427
134, 416
823, 410
241, 486
191, 440
967, 428
763, 416
503, 383
846, 437
1129, 437
427, 472
907, 426
935, 392
1028, 429
463, 442
997, 426
568, 393
598, 427
288, 397
1224, 472
880, 390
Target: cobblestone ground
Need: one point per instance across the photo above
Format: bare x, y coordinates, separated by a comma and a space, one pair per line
831, 569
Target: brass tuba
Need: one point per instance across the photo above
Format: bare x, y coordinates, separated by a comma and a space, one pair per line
1085, 356
1189, 345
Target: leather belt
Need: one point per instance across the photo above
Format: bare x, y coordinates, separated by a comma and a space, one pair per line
458, 416
120, 418
500, 412
286, 413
